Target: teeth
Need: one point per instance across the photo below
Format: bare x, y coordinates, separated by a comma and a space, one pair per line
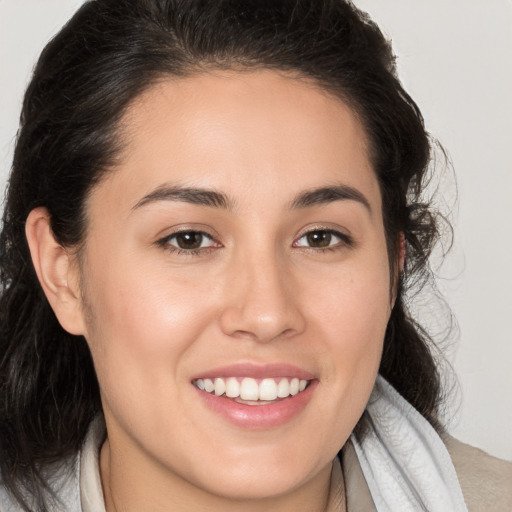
232, 388
220, 387
294, 387
248, 388
283, 388
268, 389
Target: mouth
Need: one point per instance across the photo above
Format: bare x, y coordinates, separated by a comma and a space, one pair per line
255, 397
251, 391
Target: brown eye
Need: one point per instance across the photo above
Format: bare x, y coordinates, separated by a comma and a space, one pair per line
323, 239
190, 240
319, 238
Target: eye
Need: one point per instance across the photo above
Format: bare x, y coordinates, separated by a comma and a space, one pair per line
322, 239
189, 241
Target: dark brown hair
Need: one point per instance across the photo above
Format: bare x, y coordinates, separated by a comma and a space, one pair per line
87, 76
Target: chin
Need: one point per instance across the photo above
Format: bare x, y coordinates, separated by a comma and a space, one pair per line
252, 485
267, 473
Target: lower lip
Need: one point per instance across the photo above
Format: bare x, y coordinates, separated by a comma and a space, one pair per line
258, 416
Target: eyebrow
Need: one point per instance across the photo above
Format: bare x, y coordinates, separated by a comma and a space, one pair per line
197, 196
325, 195
215, 199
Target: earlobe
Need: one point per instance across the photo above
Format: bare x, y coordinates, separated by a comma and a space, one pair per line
402, 252
57, 271
399, 266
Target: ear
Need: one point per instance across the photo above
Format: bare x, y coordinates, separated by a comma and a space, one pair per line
399, 265
57, 271
402, 252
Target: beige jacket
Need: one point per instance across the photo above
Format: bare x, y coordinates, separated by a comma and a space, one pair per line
486, 481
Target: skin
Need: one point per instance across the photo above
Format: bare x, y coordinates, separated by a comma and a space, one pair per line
257, 291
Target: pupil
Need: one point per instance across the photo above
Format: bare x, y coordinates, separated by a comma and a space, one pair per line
189, 240
319, 238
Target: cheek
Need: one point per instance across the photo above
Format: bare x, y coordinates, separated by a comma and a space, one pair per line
351, 319
144, 305
351, 314
354, 302
141, 325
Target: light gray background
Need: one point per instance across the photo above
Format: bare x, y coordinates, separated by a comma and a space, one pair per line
455, 58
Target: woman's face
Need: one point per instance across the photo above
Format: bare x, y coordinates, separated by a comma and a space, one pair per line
239, 243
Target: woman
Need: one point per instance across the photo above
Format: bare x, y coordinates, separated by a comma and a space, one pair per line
214, 212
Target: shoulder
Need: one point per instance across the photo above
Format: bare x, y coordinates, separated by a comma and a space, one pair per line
486, 481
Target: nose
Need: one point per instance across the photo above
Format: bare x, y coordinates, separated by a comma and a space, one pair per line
262, 301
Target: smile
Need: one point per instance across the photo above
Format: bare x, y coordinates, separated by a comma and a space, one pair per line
256, 396
252, 391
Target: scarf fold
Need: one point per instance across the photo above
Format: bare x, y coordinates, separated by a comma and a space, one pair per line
404, 461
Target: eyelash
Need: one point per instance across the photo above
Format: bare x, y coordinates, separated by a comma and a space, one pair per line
345, 241
165, 243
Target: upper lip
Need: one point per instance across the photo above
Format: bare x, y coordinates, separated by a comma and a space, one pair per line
256, 371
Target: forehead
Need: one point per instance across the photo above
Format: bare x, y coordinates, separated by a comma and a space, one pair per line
247, 133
